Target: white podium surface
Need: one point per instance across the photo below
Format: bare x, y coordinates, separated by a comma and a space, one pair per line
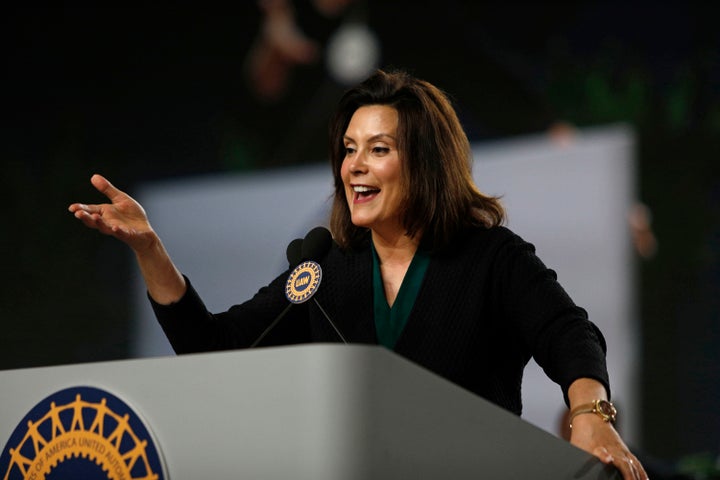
310, 412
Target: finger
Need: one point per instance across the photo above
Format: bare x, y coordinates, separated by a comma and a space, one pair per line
639, 470
77, 207
626, 469
88, 219
630, 467
93, 220
104, 186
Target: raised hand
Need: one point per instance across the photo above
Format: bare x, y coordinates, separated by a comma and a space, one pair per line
122, 218
125, 219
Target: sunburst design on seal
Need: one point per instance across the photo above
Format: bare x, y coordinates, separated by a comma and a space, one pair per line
303, 282
85, 429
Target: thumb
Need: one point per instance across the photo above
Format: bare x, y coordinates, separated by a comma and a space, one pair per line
106, 188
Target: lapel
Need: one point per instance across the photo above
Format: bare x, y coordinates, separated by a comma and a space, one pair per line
419, 322
446, 272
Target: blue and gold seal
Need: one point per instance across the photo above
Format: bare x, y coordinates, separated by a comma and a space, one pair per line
303, 282
81, 432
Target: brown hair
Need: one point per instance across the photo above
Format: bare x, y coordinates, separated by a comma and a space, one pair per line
441, 197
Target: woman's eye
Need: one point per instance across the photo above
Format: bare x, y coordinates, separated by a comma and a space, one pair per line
349, 150
381, 150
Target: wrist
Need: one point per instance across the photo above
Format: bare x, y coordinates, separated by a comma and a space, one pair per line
598, 409
148, 245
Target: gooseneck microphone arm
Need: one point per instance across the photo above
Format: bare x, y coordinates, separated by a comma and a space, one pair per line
271, 326
329, 321
293, 257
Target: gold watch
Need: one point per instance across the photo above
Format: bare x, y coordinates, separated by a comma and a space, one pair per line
602, 408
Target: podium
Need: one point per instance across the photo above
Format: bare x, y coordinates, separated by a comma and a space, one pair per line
309, 412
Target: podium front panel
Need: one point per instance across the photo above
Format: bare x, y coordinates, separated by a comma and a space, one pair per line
309, 412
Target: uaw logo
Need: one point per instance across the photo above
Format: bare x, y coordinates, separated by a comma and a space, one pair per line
303, 282
81, 433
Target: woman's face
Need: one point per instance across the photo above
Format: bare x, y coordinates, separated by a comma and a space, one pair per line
371, 170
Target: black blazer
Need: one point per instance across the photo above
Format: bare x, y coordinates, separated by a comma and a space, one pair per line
486, 306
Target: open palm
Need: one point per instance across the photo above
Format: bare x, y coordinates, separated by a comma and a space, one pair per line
123, 218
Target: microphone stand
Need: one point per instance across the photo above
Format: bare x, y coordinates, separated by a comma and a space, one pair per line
330, 321
272, 325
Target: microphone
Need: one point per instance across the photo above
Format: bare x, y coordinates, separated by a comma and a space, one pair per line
316, 244
294, 252
304, 280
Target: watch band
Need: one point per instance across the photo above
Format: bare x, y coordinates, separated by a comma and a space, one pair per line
601, 408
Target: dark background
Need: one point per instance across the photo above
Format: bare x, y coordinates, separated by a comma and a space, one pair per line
149, 93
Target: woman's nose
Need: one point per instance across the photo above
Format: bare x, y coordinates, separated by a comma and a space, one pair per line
358, 163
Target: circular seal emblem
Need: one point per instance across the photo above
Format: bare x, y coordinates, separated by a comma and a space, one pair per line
81, 432
303, 282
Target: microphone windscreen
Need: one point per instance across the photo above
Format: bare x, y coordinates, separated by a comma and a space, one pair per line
294, 252
316, 244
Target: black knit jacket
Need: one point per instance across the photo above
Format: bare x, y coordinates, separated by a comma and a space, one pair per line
486, 306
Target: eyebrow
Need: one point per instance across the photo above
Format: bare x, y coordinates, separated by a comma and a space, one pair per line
375, 137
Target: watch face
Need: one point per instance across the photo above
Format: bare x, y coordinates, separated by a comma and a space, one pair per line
606, 408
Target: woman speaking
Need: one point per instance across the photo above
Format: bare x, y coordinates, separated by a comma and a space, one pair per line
419, 263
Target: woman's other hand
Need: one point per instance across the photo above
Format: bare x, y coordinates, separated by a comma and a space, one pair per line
123, 218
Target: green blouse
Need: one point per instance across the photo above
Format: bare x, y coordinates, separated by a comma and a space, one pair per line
389, 322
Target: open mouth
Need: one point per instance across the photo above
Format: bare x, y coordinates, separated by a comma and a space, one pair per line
363, 192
